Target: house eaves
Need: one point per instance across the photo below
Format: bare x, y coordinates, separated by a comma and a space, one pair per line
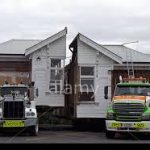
13, 57
99, 48
45, 42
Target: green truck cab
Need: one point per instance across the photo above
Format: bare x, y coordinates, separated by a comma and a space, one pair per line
129, 110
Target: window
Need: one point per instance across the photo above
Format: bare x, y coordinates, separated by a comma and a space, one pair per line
87, 71
87, 84
132, 90
56, 63
55, 86
56, 75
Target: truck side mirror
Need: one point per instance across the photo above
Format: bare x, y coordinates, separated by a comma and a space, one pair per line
37, 92
106, 92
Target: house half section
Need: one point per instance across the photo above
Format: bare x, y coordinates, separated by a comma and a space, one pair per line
97, 66
40, 61
48, 61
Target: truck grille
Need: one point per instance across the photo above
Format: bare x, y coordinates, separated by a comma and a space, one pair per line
13, 110
128, 111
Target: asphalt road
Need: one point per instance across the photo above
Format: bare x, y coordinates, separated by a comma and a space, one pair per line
70, 136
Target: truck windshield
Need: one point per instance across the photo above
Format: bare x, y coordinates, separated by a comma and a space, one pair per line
17, 90
136, 90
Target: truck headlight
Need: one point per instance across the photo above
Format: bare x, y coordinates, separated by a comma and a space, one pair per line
110, 116
30, 114
145, 117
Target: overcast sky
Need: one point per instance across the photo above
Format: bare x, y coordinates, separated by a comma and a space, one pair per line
105, 21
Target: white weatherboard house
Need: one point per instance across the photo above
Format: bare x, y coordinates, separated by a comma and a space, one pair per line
98, 66
48, 60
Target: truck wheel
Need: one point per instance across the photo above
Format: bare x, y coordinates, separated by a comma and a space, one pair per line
110, 134
34, 130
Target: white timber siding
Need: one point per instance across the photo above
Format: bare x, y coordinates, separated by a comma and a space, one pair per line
58, 48
41, 72
85, 54
103, 66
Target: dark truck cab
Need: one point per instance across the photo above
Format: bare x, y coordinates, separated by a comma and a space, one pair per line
16, 109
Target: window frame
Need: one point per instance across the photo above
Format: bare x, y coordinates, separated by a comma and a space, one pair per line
55, 81
87, 79
58, 71
91, 77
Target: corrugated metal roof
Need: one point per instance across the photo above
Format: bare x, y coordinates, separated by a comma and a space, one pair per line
124, 52
16, 46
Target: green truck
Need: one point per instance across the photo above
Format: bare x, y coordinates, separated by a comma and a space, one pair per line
129, 110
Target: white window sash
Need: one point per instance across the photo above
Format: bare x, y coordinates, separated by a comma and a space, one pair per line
87, 76
61, 68
91, 77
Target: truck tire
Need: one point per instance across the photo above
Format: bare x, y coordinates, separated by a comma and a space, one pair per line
110, 134
34, 130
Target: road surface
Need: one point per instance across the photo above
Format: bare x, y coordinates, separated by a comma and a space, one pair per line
71, 136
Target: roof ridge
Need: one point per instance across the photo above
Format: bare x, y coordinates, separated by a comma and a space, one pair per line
5, 41
27, 39
111, 44
19, 40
